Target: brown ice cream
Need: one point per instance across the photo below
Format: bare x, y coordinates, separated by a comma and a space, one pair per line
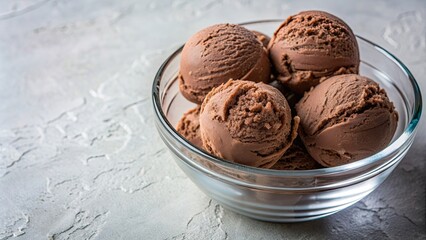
248, 123
219, 53
189, 127
263, 38
311, 46
346, 118
296, 158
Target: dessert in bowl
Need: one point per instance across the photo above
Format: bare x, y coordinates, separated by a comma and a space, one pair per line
290, 195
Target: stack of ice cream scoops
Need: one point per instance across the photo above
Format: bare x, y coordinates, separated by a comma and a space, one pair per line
291, 102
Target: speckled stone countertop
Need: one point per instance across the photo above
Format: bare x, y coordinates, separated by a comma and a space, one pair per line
80, 157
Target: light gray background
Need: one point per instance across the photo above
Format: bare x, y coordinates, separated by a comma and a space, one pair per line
79, 154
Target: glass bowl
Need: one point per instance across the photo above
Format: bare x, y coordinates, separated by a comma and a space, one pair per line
289, 195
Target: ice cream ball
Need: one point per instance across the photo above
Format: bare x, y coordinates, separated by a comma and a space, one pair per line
189, 126
218, 53
311, 46
247, 123
263, 38
346, 118
296, 158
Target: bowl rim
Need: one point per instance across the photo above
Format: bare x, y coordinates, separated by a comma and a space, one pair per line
389, 150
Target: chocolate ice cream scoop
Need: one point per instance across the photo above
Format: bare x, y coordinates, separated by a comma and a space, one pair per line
218, 53
189, 127
346, 118
248, 123
311, 46
296, 158
263, 38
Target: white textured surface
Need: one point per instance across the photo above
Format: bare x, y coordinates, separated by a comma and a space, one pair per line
79, 154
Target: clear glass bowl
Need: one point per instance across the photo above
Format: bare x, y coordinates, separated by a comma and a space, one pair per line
291, 196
